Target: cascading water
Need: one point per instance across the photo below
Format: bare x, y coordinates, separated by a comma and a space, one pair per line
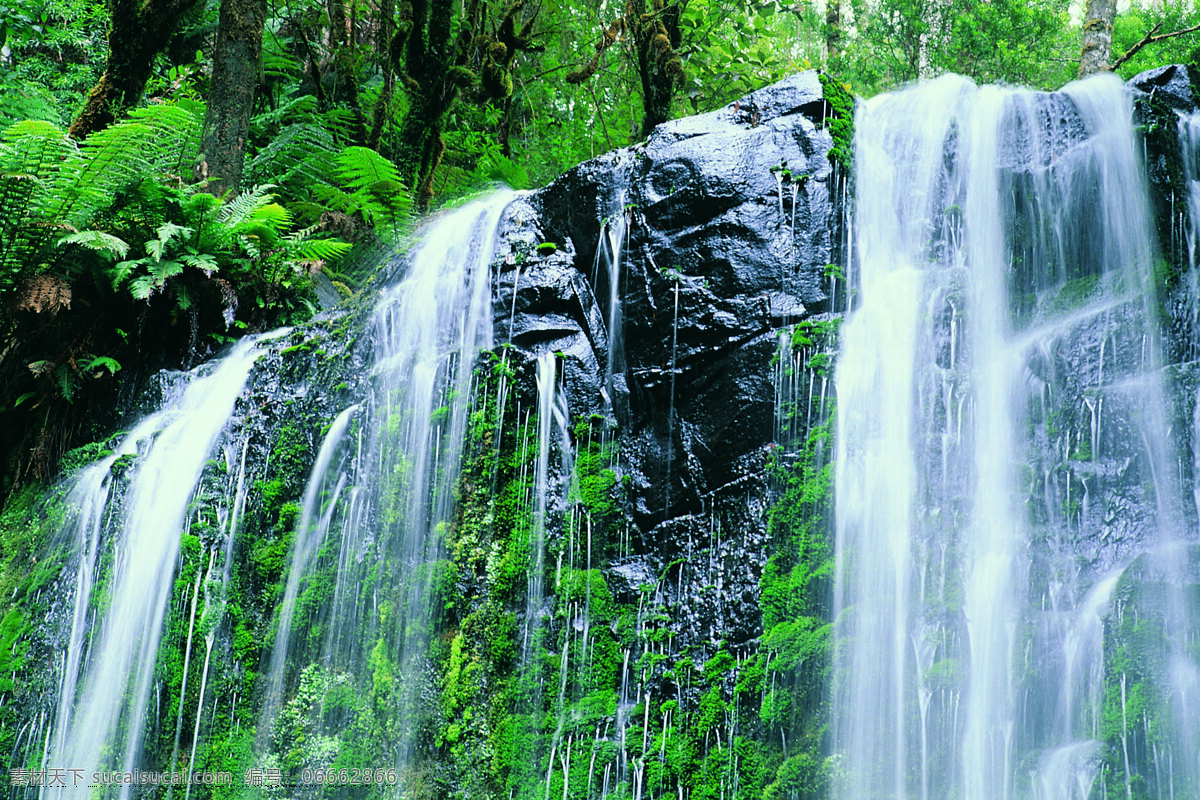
316, 517
110, 663
429, 327
1006, 319
606, 270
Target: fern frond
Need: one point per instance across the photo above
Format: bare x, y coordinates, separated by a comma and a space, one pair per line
110, 159
122, 270
32, 156
256, 235
273, 216
101, 362
303, 106
334, 198
202, 261
165, 233
362, 168
242, 207
65, 381
200, 205
162, 270
320, 250
176, 135
183, 298
97, 241
143, 288
302, 151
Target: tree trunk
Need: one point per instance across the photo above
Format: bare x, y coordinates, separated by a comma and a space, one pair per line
383, 108
231, 99
1097, 36
345, 87
833, 31
421, 147
657, 91
657, 39
137, 33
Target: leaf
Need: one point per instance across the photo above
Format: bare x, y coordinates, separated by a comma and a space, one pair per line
123, 270
102, 362
361, 167
167, 268
143, 288
98, 241
169, 230
24, 397
201, 261
242, 208
65, 381
321, 249
273, 216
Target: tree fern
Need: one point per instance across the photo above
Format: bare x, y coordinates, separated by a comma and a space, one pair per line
175, 131
242, 207
32, 155
108, 159
301, 153
374, 191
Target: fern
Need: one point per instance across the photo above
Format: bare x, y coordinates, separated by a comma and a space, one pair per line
321, 249
242, 207
300, 153
97, 241
101, 362
376, 191
51, 188
109, 159
363, 168
175, 129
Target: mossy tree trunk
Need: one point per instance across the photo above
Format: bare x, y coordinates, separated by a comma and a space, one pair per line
342, 24
833, 31
383, 108
231, 98
138, 31
437, 65
429, 55
653, 35
657, 39
1097, 36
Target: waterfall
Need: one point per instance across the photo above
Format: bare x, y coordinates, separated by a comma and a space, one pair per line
105, 690
311, 531
999, 387
429, 327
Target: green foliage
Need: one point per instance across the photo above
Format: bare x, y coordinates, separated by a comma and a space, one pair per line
1008, 40
12, 650
1138, 19
372, 189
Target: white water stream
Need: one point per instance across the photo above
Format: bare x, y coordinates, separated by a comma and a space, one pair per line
996, 229
110, 663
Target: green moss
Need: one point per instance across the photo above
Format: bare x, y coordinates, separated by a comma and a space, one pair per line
839, 121
82, 456
1075, 293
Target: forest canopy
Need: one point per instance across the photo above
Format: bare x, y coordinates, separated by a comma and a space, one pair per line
176, 173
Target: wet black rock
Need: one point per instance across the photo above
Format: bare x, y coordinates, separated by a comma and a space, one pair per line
1174, 85
725, 223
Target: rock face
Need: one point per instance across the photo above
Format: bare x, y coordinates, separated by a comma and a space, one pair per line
729, 220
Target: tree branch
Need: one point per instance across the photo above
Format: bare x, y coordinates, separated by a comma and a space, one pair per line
1150, 38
